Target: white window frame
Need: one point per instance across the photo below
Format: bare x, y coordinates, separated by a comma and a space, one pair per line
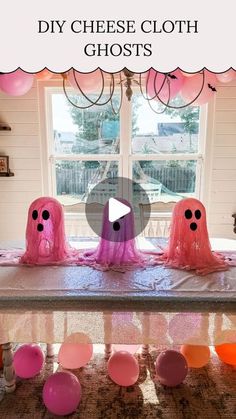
125, 158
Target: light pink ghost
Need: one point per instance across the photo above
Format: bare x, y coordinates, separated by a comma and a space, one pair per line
189, 246
117, 244
45, 234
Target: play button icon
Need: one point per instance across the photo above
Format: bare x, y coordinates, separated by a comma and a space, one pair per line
117, 209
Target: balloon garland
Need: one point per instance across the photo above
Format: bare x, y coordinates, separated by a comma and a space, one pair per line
195, 88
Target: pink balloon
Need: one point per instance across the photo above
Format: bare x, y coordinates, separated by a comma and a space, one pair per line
74, 355
88, 82
17, 83
62, 393
167, 87
227, 76
28, 360
192, 87
171, 368
123, 368
132, 349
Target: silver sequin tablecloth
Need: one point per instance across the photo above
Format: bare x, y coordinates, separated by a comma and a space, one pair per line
153, 305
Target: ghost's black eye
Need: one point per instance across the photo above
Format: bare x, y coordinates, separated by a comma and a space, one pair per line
116, 226
35, 215
198, 214
45, 215
188, 214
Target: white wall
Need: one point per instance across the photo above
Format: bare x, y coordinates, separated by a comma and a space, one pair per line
222, 187
22, 144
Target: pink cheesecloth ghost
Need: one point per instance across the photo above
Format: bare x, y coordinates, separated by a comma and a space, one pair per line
117, 246
45, 234
189, 246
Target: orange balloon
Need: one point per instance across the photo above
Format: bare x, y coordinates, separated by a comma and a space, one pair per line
196, 355
188, 74
88, 82
44, 75
227, 353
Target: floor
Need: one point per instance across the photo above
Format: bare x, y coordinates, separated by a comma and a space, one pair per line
207, 393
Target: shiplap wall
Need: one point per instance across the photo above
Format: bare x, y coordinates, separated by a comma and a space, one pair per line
22, 144
222, 196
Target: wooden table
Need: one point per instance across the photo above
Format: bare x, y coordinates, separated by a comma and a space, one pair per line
56, 293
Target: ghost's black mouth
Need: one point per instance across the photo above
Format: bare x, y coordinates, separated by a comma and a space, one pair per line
40, 227
116, 226
193, 226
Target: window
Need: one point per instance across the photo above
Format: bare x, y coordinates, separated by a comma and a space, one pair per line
161, 151
166, 150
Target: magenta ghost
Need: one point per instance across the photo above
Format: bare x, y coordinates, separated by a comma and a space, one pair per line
189, 246
45, 233
117, 244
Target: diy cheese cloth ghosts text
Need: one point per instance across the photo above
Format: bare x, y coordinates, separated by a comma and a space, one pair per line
116, 27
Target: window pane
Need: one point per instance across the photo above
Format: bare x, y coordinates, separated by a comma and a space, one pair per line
174, 131
75, 179
166, 180
90, 131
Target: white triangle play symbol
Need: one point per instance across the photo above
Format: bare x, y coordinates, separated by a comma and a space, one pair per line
116, 209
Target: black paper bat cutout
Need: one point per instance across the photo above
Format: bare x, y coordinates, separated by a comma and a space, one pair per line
211, 87
172, 76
